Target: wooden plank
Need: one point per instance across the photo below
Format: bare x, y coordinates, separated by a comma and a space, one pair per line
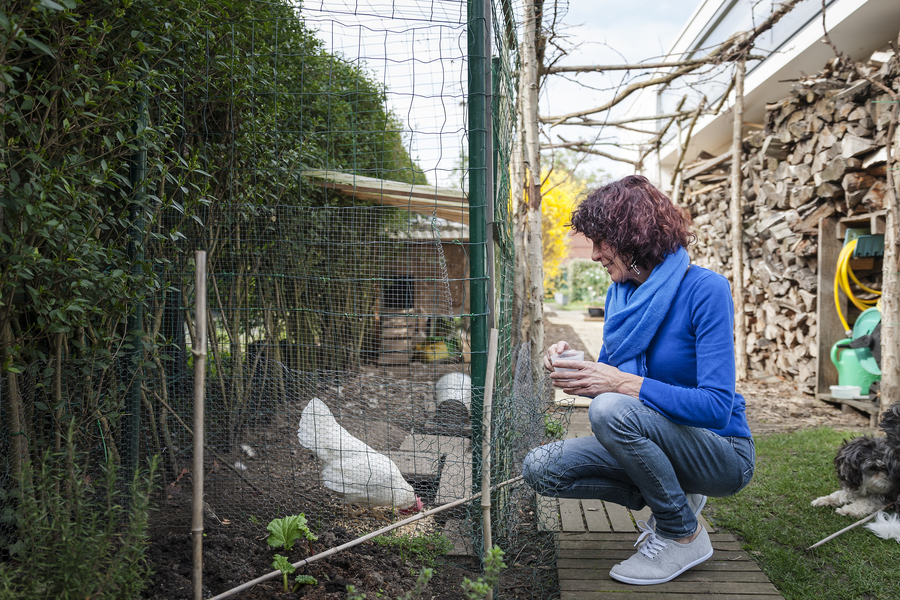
595, 515
626, 536
865, 405
394, 358
427, 192
619, 517
705, 189
706, 165
390, 346
446, 203
830, 329
623, 553
642, 515
570, 514
602, 572
628, 594
731, 545
683, 584
875, 221
587, 564
547, 513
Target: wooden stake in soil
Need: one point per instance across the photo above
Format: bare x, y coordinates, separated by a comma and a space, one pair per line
199, 352
486, 445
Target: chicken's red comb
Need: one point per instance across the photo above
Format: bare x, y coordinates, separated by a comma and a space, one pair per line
417, 507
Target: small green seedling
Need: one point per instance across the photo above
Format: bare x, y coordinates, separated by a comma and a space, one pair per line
493, 567
304, 579
282, 564
284, 532
553, 428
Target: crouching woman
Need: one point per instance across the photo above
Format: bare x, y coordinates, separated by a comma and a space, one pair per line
669, 428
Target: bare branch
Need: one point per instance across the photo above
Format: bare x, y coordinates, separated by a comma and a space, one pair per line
616, 123
632, 67
635, 66
587, 149
736, 46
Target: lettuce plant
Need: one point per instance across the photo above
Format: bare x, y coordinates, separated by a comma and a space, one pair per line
284, 532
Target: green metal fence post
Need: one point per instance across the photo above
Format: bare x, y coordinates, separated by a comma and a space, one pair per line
131, 420
480, 203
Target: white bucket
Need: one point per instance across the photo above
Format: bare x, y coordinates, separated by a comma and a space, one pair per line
454, 387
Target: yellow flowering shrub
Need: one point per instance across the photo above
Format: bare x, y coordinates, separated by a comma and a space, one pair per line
560, 192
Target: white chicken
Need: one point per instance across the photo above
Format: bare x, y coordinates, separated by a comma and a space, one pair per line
351, 468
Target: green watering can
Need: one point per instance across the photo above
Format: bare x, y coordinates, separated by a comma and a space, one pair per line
856, 358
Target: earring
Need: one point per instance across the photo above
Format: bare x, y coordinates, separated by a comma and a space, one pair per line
635, 268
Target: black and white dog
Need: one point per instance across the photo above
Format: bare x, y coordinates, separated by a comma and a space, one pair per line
868, 469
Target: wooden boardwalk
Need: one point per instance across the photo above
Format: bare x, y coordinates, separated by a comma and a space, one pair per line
595, 535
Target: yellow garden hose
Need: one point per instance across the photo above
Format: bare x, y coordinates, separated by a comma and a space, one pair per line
842, 277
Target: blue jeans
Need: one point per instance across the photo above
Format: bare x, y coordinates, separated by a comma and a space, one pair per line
639, 458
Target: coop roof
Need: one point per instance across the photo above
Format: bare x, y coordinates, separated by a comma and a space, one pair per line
446, 203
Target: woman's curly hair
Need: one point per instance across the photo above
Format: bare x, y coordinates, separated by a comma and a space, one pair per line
635, 219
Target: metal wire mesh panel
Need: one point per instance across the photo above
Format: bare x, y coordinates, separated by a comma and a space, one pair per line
344, 379
355, 213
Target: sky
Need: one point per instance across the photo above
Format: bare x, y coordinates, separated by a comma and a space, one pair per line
419, 56
629, 31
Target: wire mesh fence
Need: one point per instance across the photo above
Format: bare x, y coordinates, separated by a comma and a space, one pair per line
346, 168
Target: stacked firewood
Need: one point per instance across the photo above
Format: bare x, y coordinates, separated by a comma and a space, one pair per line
820, 153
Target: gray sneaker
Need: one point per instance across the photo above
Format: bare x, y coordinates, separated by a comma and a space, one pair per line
695, 501
658, 560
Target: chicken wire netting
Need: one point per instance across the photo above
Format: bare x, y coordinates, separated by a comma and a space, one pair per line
346, 170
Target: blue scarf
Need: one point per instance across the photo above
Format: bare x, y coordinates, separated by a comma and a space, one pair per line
633, 313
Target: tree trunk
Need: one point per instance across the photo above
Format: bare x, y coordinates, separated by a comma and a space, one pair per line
534, 247
890, 298
737, 222
520, 211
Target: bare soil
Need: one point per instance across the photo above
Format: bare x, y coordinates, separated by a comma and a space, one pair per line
235, 553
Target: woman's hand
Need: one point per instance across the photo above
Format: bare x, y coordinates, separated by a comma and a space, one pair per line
592, 379
557, 348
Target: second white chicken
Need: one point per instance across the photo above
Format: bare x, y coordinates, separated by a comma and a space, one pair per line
357, 472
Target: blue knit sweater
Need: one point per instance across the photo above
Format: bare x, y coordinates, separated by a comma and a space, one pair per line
690, 362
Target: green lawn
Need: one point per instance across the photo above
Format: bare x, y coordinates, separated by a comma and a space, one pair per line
774, 521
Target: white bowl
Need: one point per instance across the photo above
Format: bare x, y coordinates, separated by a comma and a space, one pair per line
567, 355
845, 391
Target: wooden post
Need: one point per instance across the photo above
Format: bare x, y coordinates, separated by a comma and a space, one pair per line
199, 352
533, 242
830, 329
486, 446
737, 223
890, 299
